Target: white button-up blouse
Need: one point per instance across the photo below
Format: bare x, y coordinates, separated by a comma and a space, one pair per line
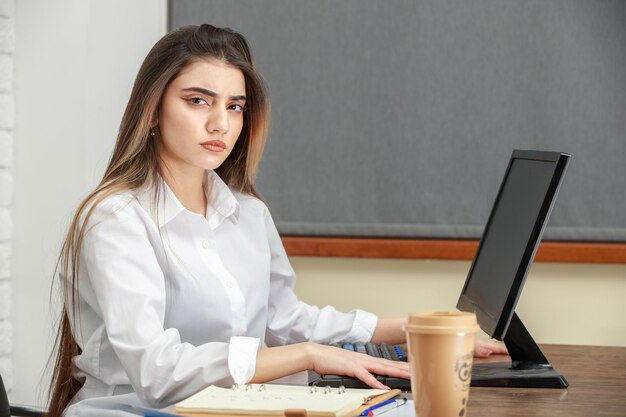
171, 301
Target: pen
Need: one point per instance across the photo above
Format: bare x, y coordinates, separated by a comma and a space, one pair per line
382, 407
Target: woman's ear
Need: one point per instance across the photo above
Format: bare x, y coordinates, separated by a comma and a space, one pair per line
154, 127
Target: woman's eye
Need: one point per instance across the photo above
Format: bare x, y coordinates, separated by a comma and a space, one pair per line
237, 107
197, 100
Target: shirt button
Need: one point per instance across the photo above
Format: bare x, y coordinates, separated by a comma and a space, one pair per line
206, 244
230, 284
240, 331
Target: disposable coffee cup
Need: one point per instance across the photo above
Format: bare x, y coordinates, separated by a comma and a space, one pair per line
441, 351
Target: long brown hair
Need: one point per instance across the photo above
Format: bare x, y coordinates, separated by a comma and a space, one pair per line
135, 163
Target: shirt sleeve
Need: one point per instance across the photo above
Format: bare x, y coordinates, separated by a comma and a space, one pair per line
291, 320
242, 358
129, 292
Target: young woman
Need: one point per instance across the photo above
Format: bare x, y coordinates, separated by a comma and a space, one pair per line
174, 273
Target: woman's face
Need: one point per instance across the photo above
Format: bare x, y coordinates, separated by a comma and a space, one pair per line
201, 116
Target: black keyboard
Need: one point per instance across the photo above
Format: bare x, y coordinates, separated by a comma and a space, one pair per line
383, 350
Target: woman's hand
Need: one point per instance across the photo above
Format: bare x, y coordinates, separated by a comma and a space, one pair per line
390, 330
337, 361
483, 348
276, 362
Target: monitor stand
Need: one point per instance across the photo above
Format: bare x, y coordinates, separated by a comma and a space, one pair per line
528, 368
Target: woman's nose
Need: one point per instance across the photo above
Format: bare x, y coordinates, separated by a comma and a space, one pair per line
218, 121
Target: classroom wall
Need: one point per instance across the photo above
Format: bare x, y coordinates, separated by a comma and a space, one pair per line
75, 61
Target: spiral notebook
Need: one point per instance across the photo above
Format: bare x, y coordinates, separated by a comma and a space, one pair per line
278, 400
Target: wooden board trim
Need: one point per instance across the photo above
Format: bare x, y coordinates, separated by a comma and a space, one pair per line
585, 252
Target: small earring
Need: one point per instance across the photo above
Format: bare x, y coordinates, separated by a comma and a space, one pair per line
152, 133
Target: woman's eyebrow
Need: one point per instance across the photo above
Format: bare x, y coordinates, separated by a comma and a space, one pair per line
210, 93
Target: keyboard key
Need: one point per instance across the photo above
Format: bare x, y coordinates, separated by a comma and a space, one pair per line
399, 352
372, 350
384, 351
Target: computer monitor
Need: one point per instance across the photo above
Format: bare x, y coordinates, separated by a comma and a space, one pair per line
501, 264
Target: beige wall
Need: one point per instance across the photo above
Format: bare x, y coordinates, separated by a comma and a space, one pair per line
561, 302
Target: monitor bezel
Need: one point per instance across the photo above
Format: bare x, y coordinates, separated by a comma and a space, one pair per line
496, 327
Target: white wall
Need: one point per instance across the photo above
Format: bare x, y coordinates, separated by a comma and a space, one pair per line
7, 124
75, 62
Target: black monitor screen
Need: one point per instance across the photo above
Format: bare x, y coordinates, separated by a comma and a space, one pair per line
510, 239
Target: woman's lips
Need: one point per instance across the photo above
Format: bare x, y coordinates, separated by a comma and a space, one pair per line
214, 145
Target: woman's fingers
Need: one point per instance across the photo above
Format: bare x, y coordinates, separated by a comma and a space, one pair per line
390, 368
332, 360
369, 379
483, 348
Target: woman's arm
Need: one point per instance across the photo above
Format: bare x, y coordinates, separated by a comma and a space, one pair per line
279, 361
390, 330
292, 321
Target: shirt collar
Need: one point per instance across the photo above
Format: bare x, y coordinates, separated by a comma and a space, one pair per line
222, 203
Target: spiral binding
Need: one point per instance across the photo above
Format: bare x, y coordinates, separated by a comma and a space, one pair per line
313, 390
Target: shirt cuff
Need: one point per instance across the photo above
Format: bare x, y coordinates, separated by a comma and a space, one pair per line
362, 328
242, 358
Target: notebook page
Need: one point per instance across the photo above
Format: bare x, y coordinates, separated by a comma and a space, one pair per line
274, 399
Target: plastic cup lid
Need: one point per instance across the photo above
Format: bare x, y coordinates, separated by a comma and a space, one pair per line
442, 322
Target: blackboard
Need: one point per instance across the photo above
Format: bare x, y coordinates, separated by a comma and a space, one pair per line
397, 118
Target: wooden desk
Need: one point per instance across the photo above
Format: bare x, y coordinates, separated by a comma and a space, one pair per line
597, 378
